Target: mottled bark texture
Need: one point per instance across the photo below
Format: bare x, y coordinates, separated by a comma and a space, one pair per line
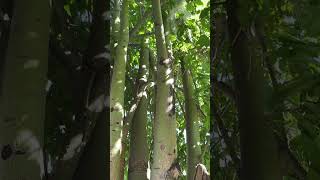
117, 92
259, 154
164, 127
22, 107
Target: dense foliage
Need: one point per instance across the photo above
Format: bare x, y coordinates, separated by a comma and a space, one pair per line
289, 42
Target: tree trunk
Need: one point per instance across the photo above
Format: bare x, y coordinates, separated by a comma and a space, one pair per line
93, 84
201, 173
138, 158
117, 93
23, 97
259, 155
192, 124
164, 135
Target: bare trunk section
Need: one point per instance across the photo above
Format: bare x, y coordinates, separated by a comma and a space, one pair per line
117, 93
259, 155
23, 96
92, 164
192, 123
138, 158
164, 134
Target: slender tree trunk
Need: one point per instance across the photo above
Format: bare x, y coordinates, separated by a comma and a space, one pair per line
138, 158
92, 82
115, 28
192, 124
92, 164
22, 107
6, 13
117, 93
164, 135
259, 155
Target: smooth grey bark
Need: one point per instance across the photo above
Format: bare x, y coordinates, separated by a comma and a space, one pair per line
138, 155
164, 127
22, 108
117, 92
192, 123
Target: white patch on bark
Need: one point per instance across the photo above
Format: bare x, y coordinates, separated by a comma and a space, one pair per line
143, 93
133, 108
169, 108
148, 171
289, 20
85, 17
117, 20
103, 55
316, 59
167, 61
29, 142
49, 165
106, 15
119, 108
67, 52
168, 71
98, 104
48, 85
31, 63
144, 78
117, 147
73, 147
62, 129
184, 172
228, 158
6, 17
170, 81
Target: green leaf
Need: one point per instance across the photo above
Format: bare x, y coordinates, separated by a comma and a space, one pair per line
204, 41
205, 13
67, 9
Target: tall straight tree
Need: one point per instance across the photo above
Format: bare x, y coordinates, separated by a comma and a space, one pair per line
92, 164
117, 92
192, 125
138, 158
259, 155
164, 135
23, 94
